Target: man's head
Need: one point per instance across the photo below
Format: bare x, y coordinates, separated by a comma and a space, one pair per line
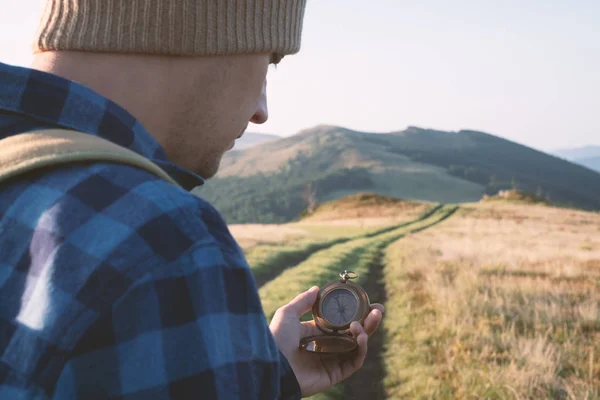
192, 71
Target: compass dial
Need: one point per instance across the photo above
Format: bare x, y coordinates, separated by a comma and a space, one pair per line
339, 307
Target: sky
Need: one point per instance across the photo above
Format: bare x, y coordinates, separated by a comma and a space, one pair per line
528, 71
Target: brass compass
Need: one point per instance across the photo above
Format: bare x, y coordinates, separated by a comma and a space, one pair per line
338, 304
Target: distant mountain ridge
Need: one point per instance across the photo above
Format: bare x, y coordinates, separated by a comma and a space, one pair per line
591, 163
578, 153
250, 139
272, 181
588, 156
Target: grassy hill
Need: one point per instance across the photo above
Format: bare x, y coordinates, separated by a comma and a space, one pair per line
276, 181
495, 300
362, 206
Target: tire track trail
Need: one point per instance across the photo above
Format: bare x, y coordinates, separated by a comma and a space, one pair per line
268, 271
367, 383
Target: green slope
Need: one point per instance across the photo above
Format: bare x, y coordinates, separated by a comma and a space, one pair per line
268, 183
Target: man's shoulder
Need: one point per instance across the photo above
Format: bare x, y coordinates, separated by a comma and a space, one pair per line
76, 241
94, 231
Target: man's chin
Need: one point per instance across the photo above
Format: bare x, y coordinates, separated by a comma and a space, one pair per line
208, 171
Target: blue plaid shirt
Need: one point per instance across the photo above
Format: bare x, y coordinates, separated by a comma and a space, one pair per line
115, 284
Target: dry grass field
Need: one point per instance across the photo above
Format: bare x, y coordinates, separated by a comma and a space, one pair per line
499, 302
494, 301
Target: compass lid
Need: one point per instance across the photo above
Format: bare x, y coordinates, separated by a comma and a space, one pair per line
329, 344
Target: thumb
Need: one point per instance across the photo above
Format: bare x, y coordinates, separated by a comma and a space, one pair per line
303, 302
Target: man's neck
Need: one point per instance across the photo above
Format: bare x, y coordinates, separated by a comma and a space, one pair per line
122, 79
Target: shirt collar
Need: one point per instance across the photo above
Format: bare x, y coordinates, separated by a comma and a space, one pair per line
56, 101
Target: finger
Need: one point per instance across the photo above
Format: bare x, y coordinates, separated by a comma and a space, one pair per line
377, 306
309, 328
363, 342
356, 329
353, 364
303, 302
372, 321
348, 364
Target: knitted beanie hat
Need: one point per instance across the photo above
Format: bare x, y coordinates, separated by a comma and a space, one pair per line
172, 27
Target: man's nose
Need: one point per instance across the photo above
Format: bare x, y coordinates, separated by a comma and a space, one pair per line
261, 115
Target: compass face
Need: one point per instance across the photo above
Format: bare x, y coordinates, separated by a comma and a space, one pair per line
339, 307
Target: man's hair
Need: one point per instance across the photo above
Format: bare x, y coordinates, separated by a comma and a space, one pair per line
172, 27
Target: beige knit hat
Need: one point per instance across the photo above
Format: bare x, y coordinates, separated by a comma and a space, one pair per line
172, 27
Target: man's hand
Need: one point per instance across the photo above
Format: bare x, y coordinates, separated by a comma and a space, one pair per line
317, 372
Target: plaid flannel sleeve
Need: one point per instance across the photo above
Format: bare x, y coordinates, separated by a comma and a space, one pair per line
142, 293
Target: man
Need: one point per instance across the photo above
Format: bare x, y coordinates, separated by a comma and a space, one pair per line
114, 283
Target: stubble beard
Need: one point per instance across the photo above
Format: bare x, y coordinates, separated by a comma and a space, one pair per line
209, 170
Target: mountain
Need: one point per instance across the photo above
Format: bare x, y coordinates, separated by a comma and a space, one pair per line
277, 180
578, 153
252, 139
591, 162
